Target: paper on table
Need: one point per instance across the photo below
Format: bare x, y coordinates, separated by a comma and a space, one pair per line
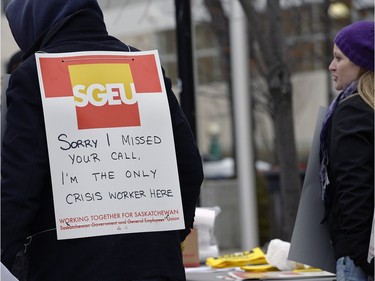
310, 242
281, 275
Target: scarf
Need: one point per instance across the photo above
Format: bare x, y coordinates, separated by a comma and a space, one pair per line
324, 158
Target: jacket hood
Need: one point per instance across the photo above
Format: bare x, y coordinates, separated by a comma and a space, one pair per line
29, 19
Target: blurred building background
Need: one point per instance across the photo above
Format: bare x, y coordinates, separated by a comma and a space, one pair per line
308, 26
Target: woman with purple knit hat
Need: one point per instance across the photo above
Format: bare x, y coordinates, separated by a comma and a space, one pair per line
347, 152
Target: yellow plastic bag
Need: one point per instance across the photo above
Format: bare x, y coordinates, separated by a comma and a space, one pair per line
259, 268
253, 257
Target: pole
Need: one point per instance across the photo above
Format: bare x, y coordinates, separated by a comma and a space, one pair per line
243, 128
185, 61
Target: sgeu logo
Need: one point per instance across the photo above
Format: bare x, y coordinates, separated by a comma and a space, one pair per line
104, 95
99, 95
105, 87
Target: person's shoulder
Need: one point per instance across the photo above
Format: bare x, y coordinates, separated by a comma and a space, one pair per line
351, 98
26, 73
355, 101
27, 63
352, 111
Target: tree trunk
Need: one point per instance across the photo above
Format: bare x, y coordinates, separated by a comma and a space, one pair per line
276, 73
290, 182
220, 25
281, 92
271, 45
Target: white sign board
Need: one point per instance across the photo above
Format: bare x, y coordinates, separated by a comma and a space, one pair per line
311, 242
372, 238
110, 143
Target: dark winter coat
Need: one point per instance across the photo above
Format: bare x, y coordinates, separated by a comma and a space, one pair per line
26, 193
351, 174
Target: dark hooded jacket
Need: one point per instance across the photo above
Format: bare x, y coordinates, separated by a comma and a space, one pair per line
351, 174
56, 26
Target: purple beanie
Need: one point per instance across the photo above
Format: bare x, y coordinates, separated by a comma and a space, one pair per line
356, 41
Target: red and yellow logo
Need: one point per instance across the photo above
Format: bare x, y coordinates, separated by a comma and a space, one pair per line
105, 88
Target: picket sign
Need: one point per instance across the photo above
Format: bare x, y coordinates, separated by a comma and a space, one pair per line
110, 143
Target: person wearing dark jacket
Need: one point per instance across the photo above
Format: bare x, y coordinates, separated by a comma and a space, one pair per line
347, 152
60, 26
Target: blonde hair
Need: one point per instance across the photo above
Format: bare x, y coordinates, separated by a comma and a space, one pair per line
366, 88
